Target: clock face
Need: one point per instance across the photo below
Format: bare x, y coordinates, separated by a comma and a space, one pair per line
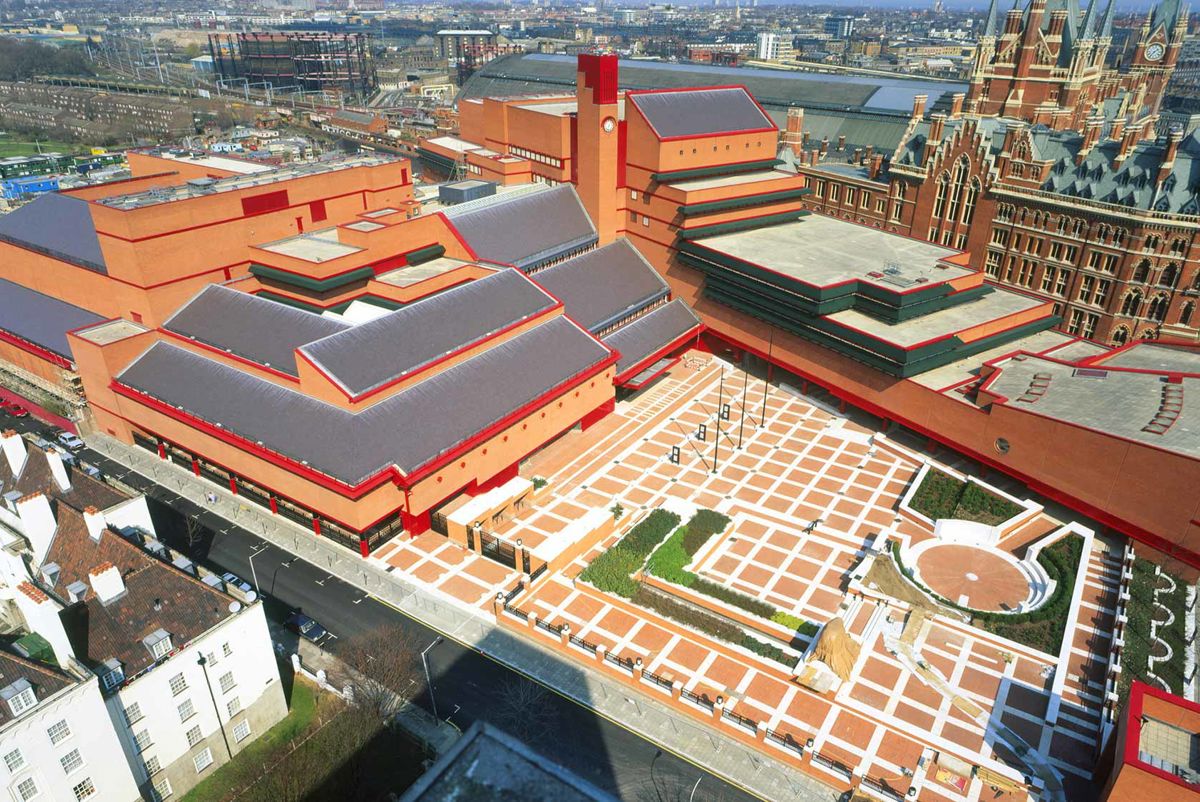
609, 125
1154, 52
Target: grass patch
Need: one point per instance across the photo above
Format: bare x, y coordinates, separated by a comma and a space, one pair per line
1135, 657
1042, 628
13, 148
940, 496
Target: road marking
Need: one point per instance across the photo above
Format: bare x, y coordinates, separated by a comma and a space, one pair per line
728, 781
322, 582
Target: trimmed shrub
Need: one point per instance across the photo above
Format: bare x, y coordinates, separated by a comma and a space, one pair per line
611, 570
708, 623
937, 496
942, 496
703, 525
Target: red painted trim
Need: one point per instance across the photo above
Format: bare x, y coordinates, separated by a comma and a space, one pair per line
308, 275
38, 411
426, 366
1157, 542
640, 365
223, 221
228, 355
703, 166
653, 376
461, 241
1133, 737
36, 350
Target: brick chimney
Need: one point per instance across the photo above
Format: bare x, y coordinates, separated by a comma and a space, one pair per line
106, 582
918, 110
1091, 135
1117, 129
824, 145
1131, 136
956, 103
1012, 23
857, 156
96, 523
1174, 137
842, 142
937, 127
876, 166
793, 136
804, 137
1058, 21
14, 451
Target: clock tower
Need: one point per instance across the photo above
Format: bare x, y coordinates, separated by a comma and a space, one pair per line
597, 134
1159, 42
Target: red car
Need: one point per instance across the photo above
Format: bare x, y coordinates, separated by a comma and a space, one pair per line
14, 409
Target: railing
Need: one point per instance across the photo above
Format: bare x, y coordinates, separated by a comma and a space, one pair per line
512, 594
696, 699
583, 644
540, 570
879, 788
744, 721
551, 628
833, 765
657, 679
786, 741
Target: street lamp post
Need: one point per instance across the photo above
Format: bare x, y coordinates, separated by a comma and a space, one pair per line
428, 681
203, 663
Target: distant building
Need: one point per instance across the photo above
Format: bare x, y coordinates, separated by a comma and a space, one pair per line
310, 60
774, 47
456, 44
839, 27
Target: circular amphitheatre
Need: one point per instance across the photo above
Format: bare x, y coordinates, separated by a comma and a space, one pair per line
974, 576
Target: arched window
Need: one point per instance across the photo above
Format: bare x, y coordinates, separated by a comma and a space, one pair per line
1120, 336
1157, 311
968, 211
1079, 226
1102, 232
1119, 235
1131, 304
1185, 314
1179, 245
939, 203
1170, 275
1142, 271
1148, 334
956, 190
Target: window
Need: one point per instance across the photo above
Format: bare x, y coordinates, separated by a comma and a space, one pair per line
1048, 278
227, 682
833, 191
27, 789
59, 732
241, 731
193, 735
142, 740
133, 714
71, 761
645, 221
113, 677
1076, 321
14, 760
633, 194
153, 765
849, 196
186, 710
865, 200
1103, 287
212, 659
20, 696
178, 684
1086, 287
203, 760
162, 789
84, 789
999, 236
235, 704
159, 643
939, 203
1064, 277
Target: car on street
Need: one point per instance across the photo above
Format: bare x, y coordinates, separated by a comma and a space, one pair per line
14, 409
232, 580
305, 627
70, 442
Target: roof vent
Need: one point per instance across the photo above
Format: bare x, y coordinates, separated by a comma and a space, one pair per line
76, 591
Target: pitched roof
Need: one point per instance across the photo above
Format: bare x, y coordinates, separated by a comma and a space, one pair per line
36, 476
263, 331
409, 429
46, 679
41, 319
526, 230
700, 112
640, 339
57, 225
186, 608
362, 358
600, 287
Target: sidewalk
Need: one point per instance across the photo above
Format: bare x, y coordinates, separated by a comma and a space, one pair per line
754, 771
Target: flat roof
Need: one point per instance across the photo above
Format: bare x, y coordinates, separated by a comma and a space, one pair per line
1115, 402
729, 180
963, 369
1156, 356
159, 195
314, 246
240, 166
943, 323
824, 251
415, 274
111, 331
453, 143
365, 226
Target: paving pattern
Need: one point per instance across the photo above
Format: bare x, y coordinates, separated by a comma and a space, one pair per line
973, 577
808, 491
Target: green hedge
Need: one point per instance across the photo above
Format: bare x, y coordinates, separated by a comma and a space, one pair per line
1041, 628
942, 496
708, 623
611, 571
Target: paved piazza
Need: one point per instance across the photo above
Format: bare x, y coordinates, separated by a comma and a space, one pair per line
807, 492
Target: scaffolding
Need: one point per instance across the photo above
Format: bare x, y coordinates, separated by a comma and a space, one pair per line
313, 61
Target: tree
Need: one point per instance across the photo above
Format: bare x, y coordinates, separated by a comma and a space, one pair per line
526, 710
384, 665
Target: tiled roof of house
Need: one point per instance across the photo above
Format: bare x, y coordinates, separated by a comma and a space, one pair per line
46, 679
35, 476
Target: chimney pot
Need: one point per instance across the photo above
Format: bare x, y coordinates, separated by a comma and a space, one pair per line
841, 142
919, 102
106, 582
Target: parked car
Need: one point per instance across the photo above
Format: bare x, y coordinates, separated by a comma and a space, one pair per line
70, 442
14, 409
305, 627
234, 581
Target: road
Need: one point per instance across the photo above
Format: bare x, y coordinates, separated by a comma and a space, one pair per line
467, 684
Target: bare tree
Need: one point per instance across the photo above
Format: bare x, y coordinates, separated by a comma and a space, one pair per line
195, 534
385, 668
666, 786
526, 710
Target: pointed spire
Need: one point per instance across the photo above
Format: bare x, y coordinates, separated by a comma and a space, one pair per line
1106, 23
990, 27
1089, 21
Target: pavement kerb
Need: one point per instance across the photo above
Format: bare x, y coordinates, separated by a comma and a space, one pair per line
755, 772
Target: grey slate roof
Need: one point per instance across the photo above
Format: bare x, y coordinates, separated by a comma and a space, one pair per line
540, 74
363, 357
57, 225
600, 287
257, 329
882, 130
698, 112
41, 319
641, 338
408, 430
527, 229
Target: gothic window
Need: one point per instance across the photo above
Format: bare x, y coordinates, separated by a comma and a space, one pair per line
969, 204
1142, 271
1102, 232
939, 203
1120, 336
1157, 311
1079, 226
956, 191
1119, 235
1185, 314
1170, 275
1179, 246
1129, 306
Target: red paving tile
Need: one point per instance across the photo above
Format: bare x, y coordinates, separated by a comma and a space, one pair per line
977, 577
